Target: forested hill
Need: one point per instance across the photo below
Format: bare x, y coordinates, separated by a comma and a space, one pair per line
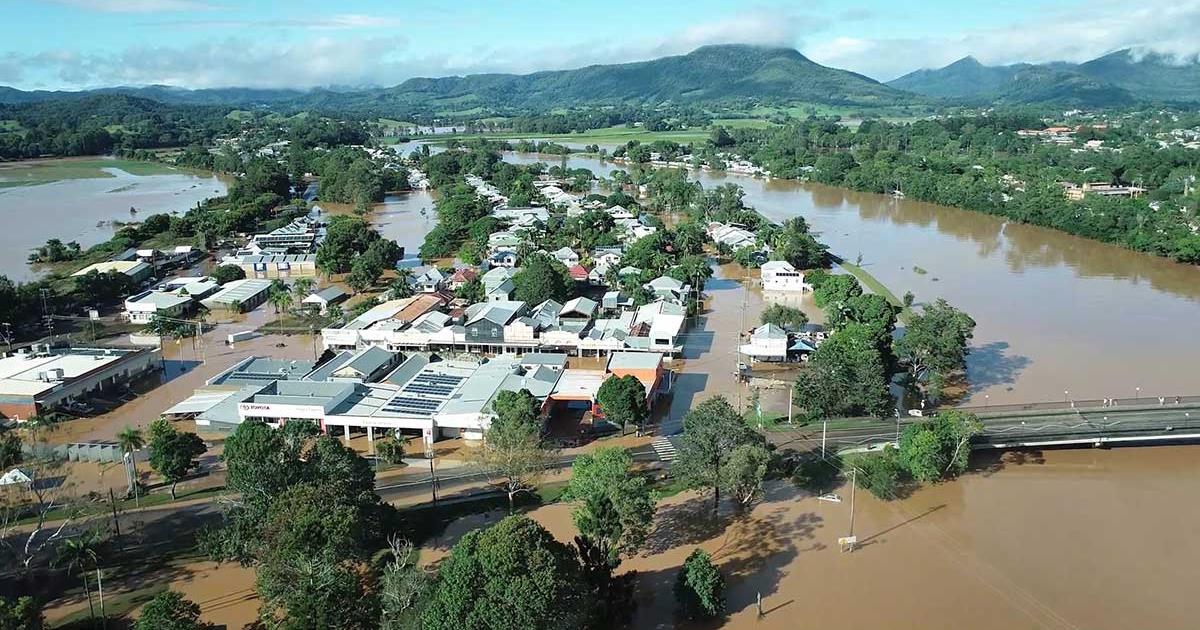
1116, 79
710, 74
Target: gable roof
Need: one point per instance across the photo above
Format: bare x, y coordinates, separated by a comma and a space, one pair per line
578, 272
769, 331
500, 313
580, 306
368, 361
328, 294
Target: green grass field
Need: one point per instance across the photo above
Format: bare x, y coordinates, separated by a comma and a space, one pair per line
45, 171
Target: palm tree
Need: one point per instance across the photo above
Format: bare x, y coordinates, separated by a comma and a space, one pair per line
130, 439
77, 553
302, 287
282, 301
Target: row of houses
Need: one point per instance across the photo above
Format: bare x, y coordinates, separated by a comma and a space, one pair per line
498, 325
380, 392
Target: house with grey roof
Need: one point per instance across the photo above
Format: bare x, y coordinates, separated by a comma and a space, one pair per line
668, 288
566, 256
486, 321
580, 308
427, 280
321, 300
767, 343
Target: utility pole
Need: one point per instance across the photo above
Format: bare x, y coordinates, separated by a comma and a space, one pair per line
853, 486
46, 319
824, 426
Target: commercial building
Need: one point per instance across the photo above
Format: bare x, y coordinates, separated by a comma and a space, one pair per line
36, 380
270, 266
138, 271
239, 295
142, 307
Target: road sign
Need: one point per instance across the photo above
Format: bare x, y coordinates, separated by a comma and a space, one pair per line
848, 542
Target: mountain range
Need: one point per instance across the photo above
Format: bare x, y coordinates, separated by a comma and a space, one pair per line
709, 74
714, 75
1118, 78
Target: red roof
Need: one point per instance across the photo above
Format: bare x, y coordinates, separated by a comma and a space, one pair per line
578, 272
464, 275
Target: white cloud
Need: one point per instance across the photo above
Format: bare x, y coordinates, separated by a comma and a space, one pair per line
271, 57
137, 6
1076, 33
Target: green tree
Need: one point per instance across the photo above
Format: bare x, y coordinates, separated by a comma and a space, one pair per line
169, 610
471, 291
881, 474
10, 448
302, 288
130, 439
364, 273
542, 278
513, 575
345, 239
82, 554
711, 431
615, 506
936, 341
847, 377
622, 399
310, 560
512, 447
743, 475
832, 290
784, 316
700, 588
940, 447
22, 613
173, 453
390, 450
228, 273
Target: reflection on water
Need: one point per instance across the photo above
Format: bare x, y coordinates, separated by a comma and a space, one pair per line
406, 218
83, 210
1056, 313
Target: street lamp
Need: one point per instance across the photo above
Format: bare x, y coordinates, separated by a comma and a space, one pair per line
1138, 392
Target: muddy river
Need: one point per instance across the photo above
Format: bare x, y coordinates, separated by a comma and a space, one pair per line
84, 210
1056, 313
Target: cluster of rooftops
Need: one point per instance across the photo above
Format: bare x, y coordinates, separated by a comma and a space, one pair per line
377, 388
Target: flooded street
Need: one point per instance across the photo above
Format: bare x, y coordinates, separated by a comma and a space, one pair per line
1056, 313
400, 218
83, 210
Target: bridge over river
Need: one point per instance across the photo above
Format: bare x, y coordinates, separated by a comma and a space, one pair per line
1046, 424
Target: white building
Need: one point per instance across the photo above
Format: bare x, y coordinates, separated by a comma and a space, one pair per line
140, 308
780, 275
767, 343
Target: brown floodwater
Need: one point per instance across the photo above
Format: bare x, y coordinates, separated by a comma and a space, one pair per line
84, 210
1056, 313
1056, 540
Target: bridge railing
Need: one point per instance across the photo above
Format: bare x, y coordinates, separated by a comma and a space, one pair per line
1090, 404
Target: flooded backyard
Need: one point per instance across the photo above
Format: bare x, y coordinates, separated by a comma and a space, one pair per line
85, 209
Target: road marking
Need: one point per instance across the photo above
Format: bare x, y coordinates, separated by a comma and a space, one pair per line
664, 448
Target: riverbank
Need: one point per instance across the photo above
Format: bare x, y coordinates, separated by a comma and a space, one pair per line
35, 172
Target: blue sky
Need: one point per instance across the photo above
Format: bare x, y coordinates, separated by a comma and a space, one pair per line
71, 44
